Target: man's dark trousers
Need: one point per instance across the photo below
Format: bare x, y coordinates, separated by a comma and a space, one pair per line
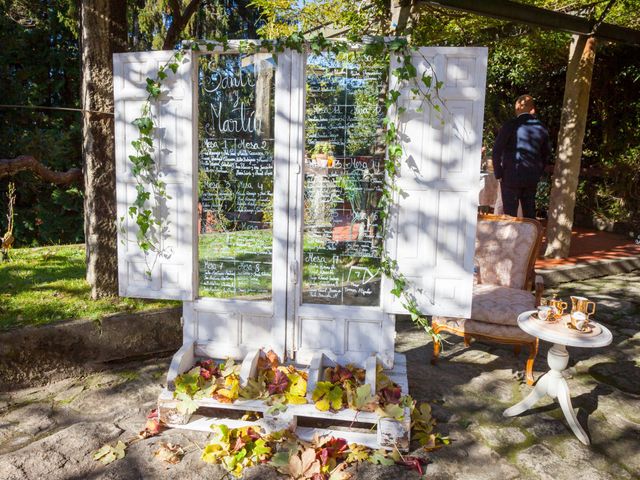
525, 195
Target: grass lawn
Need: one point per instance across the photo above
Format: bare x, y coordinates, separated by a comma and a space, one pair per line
47, 284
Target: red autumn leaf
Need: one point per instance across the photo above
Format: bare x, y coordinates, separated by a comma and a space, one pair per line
414, 463
252, 434
153, 426
210, 367
339, 374
239, 444
332, 448
318, 476
390, 394
279, 384
339, 445
324, 456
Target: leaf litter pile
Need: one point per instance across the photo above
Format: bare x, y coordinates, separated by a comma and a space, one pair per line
324, 458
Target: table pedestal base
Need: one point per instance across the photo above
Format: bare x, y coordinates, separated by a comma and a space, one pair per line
553, 384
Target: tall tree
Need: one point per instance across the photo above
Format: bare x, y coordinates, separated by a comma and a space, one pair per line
180, 19
103, 33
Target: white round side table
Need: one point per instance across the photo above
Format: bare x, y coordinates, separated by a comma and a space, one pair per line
553, 383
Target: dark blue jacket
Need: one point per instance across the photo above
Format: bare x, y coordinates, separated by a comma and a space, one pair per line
521, 151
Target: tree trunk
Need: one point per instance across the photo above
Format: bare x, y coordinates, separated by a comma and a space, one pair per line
572, 127
103, 33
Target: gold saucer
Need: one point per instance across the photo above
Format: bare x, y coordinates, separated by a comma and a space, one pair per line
588, 328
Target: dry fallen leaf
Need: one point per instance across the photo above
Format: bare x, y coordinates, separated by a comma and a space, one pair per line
107, 454
170, 453
304, 466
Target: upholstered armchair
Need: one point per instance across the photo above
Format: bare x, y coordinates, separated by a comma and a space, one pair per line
505, 254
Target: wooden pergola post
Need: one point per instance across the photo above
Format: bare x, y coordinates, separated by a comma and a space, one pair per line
573, 121
400, 16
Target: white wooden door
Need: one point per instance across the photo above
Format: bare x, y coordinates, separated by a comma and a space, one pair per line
172, 271
336, 308
243, 167
432, 229
222, 147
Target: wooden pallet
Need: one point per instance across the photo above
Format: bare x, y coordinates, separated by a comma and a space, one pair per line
365, 428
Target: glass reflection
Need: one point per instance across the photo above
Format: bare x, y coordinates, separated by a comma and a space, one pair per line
235, 175
344, 178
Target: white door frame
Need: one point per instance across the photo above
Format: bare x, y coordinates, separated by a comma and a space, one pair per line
345, 333
234, 327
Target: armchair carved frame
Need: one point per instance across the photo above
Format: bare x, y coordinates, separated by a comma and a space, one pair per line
506, 331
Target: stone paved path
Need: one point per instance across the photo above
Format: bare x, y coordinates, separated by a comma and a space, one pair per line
50, 432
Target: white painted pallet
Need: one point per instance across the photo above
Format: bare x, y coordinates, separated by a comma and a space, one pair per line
370, 429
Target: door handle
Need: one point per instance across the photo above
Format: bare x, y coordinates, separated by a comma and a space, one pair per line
293, 271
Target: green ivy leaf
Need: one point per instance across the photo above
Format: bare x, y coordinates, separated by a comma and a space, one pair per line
379, 457
276, 409
261, 449
280, 459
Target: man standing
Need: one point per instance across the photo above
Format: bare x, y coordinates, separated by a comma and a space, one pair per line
520, 154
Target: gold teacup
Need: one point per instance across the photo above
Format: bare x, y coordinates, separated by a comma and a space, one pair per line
584, 305
557, 306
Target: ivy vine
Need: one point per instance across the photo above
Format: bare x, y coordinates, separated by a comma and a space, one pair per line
425, 87
149, 187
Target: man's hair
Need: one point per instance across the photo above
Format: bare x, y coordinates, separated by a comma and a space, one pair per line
525, 102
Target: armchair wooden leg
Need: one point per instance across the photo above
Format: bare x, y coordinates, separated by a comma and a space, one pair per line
533, 351
436, 351
467, 340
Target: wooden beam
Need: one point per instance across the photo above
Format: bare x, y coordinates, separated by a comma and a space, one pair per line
540, 17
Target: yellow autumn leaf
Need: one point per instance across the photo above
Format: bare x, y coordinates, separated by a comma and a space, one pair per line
295, 399
297, 385
323, 405
232, 388
211, 453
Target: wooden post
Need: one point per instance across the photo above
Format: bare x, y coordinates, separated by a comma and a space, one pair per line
400, 16
570, 137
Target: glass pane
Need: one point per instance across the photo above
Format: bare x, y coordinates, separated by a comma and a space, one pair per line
344, 177
235, 177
